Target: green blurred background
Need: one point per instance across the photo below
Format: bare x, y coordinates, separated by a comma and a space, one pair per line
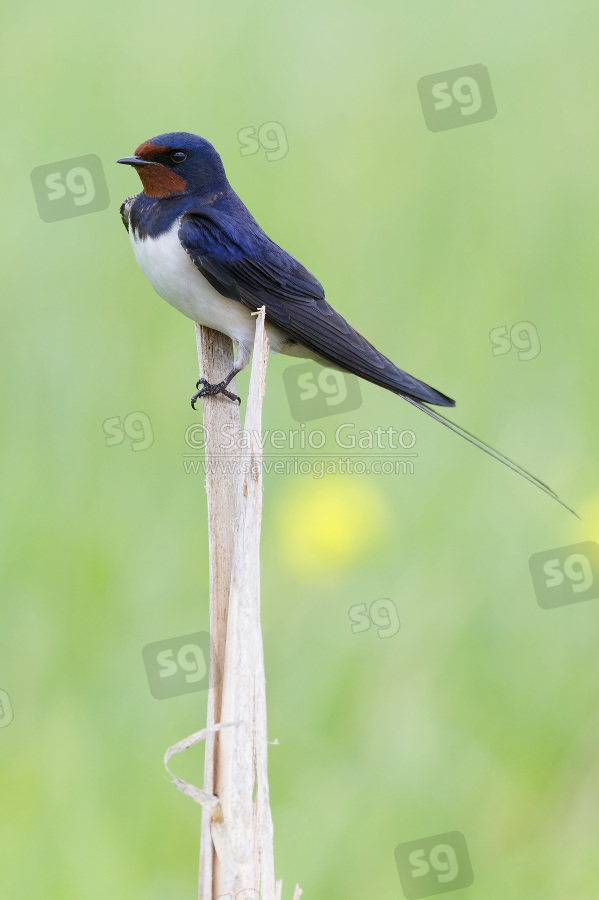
480, 715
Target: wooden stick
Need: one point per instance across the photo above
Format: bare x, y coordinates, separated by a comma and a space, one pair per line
236, 853
242, 765
222, 423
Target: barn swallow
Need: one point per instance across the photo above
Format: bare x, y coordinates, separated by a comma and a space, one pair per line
205, 254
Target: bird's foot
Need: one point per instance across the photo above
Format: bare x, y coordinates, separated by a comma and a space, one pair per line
209, 390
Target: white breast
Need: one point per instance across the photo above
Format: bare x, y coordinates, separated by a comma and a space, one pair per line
173, 275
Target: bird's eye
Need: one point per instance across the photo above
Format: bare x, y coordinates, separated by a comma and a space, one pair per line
178, 156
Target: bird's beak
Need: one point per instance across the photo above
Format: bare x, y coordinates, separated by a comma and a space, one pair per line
134, 161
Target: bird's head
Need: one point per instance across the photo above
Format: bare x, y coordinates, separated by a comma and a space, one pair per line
177, 163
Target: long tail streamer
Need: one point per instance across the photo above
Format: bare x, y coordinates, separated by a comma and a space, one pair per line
457, 429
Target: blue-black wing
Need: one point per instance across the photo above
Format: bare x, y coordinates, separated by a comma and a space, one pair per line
243, 264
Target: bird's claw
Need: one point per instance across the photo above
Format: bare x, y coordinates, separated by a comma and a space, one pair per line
210, 390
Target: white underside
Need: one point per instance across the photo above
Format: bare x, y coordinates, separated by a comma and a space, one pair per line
176, 279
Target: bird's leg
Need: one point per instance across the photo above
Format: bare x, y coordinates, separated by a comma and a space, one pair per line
209, 390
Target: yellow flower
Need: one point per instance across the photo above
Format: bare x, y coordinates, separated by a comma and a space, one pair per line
326, 523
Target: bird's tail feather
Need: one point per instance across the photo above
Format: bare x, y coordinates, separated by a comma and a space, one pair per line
486, 448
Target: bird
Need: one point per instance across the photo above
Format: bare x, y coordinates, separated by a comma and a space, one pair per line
206, 255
